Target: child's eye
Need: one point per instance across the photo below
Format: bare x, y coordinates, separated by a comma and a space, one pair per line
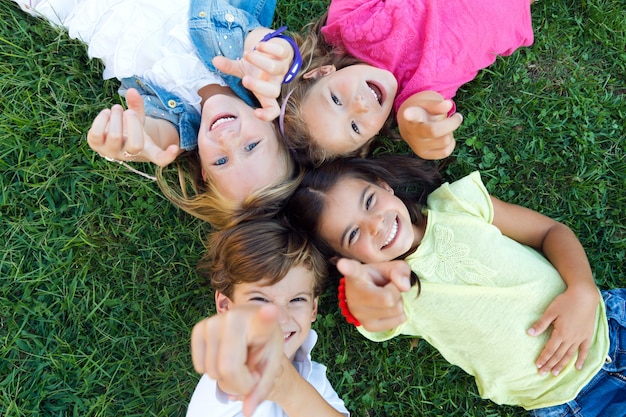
352, 237
251, 146
368, 202
335, 99
355, 128
259, 299
221, 161
299, 299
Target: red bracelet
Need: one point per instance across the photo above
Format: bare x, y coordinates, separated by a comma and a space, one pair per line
343, 304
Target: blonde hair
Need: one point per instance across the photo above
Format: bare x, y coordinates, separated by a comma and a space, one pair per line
203, 200
259, 250
316, 52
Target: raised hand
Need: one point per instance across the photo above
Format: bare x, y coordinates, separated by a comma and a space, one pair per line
242, 350
374, 292
128, 135
262, 71
424, 124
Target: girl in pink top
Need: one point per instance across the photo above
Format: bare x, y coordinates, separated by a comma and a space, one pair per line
376, 57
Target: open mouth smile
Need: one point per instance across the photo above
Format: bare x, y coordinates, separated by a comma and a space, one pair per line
376, 92
221, 119
392, 234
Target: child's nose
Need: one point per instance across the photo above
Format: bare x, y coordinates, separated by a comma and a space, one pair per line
360, 104
375, 224
227, 137
283, 315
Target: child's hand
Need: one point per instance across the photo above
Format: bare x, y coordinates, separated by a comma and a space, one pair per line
572, 315
123, 134
373, 292
242, 350
262, 71
424, 124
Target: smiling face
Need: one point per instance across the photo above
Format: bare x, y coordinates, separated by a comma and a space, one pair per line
293, 295
239, 152
346, 108
367, 222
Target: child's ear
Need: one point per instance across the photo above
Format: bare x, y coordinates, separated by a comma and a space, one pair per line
203, 175
319, 72
222, 303
314, 312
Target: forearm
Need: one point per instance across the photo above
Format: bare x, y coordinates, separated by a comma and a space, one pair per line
297, 397
563, 249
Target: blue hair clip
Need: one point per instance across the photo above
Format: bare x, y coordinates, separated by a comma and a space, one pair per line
297, 58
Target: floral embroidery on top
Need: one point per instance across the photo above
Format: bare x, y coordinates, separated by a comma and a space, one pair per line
450, 261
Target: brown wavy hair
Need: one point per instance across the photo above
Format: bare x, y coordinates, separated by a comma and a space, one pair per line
259, 250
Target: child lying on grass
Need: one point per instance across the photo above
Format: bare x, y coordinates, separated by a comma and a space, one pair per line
267, 281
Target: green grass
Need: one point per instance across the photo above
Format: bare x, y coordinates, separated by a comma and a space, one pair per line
97, 284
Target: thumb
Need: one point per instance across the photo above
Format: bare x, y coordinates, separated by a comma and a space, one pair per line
228, 66
165, 157
415, 114
541, 325
269, 109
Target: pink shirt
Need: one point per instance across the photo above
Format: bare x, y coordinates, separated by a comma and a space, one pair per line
429, 44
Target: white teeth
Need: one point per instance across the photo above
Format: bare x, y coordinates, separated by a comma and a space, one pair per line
375, 92
222, 120
286, 335
394, 230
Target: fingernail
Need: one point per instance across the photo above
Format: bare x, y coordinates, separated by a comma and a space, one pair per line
555, 373
531, 331
406, 282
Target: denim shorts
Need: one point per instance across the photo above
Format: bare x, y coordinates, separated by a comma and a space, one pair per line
605, 394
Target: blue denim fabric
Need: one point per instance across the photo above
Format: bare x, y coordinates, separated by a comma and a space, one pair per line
605, 394
216, 27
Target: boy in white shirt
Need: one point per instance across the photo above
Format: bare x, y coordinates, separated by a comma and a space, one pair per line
267, 281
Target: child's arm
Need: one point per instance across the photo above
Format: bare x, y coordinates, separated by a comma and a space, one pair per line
424, 124
128, 135
297, 397
261, 70
373, 292
242, 349
572, 314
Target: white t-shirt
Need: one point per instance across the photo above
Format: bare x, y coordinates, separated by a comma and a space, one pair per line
209, 400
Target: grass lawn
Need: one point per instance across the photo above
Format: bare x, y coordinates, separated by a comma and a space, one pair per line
97, 284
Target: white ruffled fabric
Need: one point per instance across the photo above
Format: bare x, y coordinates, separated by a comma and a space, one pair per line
147, 38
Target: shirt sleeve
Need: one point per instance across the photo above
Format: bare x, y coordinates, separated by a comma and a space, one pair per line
321, 383
467, 195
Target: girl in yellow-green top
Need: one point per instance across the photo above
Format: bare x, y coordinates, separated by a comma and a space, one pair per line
503, 292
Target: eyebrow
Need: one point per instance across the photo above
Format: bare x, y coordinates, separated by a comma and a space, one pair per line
362, 199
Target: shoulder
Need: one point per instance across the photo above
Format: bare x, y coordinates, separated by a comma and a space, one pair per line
466, 195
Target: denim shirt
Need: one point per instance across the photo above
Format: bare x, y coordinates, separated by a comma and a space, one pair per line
216, 27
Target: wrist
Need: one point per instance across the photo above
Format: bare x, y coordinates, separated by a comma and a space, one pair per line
296, 62
283, 382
